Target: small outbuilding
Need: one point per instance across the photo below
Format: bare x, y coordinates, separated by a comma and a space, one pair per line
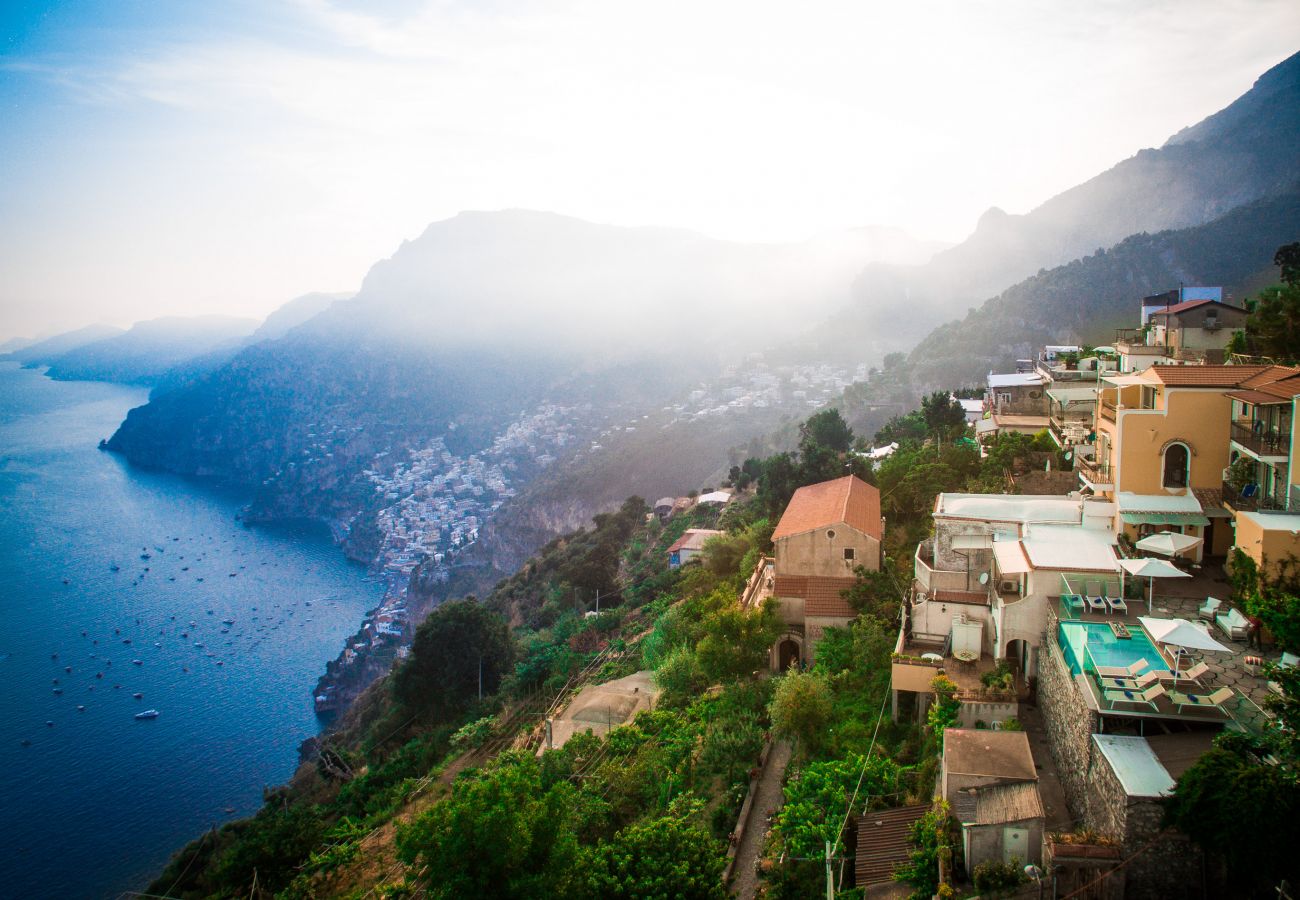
991, 784
690, 545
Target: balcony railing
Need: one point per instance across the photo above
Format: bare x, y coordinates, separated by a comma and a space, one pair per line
1095, 471
1260, 439
1249, 500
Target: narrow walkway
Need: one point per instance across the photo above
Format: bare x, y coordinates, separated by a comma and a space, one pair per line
767, 800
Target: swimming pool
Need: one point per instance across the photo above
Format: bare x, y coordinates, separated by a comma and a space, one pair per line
1087, 645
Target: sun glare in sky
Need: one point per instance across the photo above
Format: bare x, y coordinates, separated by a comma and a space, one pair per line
197, 157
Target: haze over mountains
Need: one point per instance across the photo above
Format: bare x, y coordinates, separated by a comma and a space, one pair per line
488, 316
1243, 153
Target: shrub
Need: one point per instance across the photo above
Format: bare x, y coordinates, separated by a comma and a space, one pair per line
998, 876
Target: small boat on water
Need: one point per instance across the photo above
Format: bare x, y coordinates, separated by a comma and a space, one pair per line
138, 695
147, 714
136, 662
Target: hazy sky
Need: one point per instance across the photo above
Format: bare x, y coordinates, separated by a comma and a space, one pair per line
175, 157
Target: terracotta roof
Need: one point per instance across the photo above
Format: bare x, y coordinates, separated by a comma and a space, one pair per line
849, 500
820, 594
1259, 398
994, 754
694, 539
1276, 382
1000, 803
1187, 305
1205, 376
883, 842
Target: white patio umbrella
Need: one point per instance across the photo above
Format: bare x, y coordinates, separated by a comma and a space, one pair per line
1168, 543
1182, 634
1151, 569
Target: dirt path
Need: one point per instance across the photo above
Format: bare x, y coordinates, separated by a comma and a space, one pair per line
767, 800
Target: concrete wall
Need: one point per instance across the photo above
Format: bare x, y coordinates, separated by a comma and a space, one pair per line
1267, 547
932, 620
815, 553
1198, 418
988, 712
984, 843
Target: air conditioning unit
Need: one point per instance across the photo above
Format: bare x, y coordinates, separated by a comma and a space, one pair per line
1008, 587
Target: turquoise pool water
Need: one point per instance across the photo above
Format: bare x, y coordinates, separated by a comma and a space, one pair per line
1095, 643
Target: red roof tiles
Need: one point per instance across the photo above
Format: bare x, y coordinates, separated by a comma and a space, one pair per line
849, 500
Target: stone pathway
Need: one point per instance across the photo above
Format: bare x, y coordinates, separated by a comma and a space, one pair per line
767, 800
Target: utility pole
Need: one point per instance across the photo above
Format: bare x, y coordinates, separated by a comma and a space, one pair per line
597, 601
830, 882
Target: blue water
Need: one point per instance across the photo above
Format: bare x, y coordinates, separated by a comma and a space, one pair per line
1104, 649
96, 803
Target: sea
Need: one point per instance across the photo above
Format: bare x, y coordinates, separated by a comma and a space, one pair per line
117, 582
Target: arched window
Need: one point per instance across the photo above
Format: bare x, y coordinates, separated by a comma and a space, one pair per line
1176, 463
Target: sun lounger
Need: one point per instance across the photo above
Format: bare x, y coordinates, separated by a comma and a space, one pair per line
1192, 674
1129, 671
1092, 593
1130, 683
1115, 604
1073, 602
1147, 697
1203, 701
1232, 623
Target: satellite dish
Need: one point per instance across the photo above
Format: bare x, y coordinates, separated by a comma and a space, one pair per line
1069, 454
984, 577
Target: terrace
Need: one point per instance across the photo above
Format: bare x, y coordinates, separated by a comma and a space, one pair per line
1085, 640
917, 661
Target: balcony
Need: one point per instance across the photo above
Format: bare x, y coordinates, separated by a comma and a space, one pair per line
1249, 500
1097, 473
930, 579
1261, 440
1107, 409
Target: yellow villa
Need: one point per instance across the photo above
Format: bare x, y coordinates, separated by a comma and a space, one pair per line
1164, 441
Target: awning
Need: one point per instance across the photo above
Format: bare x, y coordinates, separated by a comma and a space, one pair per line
1010, 557
1128, 380
1164, 518
1067, 395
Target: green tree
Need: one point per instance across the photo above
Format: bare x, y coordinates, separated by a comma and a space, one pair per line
817, 799
944, 712
456, 642
826, 429
736, 641
670, 857
931, 836
1227, 788
501, 833
801, 708
1287, 259
943, 415
679, 675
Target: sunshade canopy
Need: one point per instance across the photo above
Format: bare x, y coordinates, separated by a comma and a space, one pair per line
1170, 543
1151, 568
1180, 633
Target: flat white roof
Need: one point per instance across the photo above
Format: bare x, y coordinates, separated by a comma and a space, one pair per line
1140, 771
1070, 548
1159, 503
1024, 508
1273, 521
972, 405
1015, 379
